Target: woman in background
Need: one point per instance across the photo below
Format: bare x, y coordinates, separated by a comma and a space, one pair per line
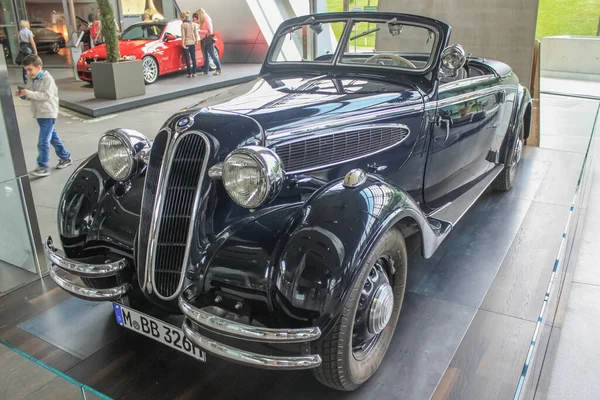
208, 42
26, 46
189, 37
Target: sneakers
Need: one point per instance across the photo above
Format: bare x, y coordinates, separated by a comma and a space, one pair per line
40, 171
64, 163
218, 72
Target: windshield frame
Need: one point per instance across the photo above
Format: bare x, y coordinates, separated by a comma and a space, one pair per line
440, 30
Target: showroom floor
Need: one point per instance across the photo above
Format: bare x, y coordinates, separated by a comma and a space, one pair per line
466, 325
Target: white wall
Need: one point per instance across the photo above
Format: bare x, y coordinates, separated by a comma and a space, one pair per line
575, 57
502, 30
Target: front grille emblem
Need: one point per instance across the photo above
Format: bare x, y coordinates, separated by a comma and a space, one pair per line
184, 123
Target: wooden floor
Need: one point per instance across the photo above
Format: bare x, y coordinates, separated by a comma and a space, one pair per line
464, 330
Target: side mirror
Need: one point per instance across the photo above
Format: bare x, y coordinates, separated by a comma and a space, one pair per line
169, 37
453, 58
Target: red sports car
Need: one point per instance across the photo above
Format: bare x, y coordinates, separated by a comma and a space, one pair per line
157, 44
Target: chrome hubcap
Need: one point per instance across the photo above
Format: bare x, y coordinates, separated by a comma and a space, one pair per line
150, 70
381, 308
518, 151
374, 311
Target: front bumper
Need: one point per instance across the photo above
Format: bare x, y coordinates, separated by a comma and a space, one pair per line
62, 269
84, 71
199, 319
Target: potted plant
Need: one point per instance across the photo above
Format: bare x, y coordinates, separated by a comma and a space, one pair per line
115, 78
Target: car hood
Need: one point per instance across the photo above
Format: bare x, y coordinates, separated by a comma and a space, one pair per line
126, 48
284, 105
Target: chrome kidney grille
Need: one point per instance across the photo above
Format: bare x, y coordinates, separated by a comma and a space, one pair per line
173, 211
338, 147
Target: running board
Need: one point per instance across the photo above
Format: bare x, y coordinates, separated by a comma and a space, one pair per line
453, 212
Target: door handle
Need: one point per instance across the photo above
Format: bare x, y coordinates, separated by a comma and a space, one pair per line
444, 122
502, 96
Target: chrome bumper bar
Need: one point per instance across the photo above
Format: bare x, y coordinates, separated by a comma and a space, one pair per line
246, 357
58, 262
223, 326
248, 332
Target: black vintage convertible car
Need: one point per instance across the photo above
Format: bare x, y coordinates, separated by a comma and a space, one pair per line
272, 226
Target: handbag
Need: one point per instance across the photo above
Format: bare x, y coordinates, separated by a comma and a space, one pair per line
25, 48
208, 40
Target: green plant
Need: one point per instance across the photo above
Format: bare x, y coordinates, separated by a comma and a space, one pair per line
109, 31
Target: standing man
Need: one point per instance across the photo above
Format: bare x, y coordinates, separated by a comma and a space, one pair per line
44, 105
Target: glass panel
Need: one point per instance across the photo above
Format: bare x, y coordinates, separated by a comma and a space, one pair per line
8, 30
390, 45
145, 32
50, 30
17, 259
315, 42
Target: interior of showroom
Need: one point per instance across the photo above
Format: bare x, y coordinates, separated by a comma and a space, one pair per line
393, 201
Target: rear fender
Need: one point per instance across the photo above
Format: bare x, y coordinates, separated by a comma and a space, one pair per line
521, 115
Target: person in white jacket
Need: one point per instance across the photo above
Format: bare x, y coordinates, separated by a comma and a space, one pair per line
43, 96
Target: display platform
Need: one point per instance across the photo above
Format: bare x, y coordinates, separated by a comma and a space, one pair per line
79, 96
464, 331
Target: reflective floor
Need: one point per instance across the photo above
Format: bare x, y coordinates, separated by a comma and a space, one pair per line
451, 340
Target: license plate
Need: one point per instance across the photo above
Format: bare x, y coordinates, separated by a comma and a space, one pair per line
157, 330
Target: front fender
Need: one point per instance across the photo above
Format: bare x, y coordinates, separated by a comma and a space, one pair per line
96, 214
331, 236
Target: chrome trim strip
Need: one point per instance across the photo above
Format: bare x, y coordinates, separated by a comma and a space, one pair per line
56, 258
161, 175
249, 358
249, 332
159, 204
445, 87
109, 294
341, 120
346, 130
466, 96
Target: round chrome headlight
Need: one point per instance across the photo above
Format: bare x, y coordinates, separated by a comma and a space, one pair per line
252, 176
121, 151
454, 57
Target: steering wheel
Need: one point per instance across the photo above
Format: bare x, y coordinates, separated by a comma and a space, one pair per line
396, 60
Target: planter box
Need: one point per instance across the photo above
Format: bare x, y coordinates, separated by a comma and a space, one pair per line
118, 80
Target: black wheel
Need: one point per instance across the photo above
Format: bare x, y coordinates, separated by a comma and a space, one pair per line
355, 347
150, 69
55, 48
507, 177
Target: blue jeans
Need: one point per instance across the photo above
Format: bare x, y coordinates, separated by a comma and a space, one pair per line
190, 53
209, 51
49, 136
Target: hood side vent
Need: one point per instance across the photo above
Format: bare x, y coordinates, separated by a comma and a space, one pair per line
314, 153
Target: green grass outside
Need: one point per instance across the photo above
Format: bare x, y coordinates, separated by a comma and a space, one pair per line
555, 17
337, 6
567, 17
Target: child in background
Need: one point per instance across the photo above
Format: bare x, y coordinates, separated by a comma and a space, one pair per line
44, 105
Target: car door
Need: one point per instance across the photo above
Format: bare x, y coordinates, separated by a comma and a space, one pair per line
462, 137
174, 51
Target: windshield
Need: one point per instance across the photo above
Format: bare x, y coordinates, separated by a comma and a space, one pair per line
376, 44
142, 32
